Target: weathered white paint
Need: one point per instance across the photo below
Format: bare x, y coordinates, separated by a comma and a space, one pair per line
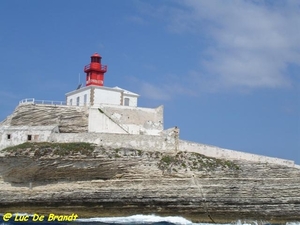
216, 152
19, 134
100, 123
101, 95
141, 142
125, 119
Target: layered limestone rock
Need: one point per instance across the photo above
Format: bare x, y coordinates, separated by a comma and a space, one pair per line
68, 119
103, 181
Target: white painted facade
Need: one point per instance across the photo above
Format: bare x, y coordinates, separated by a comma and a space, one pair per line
96, 95
125, 120
114, 110
14, 135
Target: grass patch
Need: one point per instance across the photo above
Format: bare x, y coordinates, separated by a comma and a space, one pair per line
48, 148
194, 161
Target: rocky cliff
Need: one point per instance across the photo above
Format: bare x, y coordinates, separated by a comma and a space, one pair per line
93, 180
68, 119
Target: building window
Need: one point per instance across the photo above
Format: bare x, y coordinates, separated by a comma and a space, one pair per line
29, 137
77, 101
71, 101
85, 99
126, 103
8, 136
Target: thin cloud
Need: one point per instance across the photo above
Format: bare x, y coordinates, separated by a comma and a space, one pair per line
150, 91
166, 91
251, 44
136, 19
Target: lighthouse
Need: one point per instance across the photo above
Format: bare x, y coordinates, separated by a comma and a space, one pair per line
95, 71
94, 93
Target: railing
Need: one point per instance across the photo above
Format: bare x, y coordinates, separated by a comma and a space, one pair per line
43, 102
103, 67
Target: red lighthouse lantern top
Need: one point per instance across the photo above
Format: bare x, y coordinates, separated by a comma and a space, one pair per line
95, 71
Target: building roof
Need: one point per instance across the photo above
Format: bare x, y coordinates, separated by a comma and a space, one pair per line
125, 91
118, 89
96, 55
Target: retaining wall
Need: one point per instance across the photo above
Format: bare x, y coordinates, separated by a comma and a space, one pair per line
222, 153
166, 142
142, 142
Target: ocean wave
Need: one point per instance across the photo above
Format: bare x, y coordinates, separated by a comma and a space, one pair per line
138, 219
153, 219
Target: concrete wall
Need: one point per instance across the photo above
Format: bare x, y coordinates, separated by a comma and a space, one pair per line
126, 119
14, 135
222, 153
100, 123
141, 142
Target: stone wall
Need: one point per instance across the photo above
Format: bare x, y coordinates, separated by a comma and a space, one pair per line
213, 151
10, 136
167, 142
161, 143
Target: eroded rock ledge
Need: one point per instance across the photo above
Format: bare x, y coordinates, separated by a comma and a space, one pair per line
68, 177
68, 119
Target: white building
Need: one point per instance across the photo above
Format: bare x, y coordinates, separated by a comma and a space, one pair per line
95, 95
113, 110
94, 107
104, 116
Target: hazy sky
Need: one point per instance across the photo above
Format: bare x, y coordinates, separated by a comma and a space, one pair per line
227, 72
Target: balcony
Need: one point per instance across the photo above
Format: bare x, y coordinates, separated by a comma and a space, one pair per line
97, 67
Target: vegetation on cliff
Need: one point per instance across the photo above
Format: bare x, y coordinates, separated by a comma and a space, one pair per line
46, 148
167, 162
194, 161
135, 181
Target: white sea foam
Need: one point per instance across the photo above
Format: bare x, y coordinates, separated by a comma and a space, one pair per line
148, 219
139, 219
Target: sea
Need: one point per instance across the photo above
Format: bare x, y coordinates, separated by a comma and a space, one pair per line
129, 220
